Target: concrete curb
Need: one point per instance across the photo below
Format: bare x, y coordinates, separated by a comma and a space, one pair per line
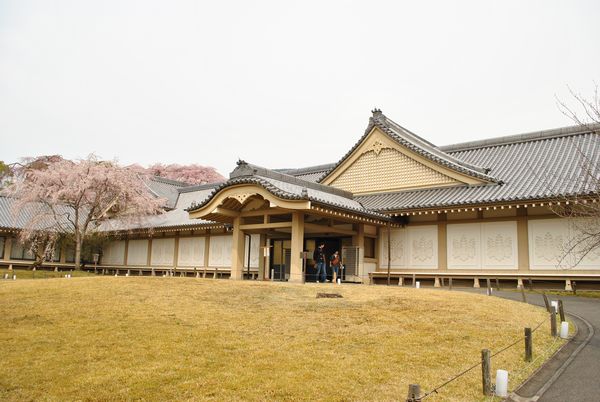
549, 367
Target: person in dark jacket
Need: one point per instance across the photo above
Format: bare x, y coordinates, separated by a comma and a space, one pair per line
320, 263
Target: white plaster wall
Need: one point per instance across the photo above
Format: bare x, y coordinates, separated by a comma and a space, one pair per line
398, 248
114, 253
464, 246
552, 239
191, 252
220, 251
163, 252
254, 250
422, 246
411, 247
489, 245
137, 252
499, 245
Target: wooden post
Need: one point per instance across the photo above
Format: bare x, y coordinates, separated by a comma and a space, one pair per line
546, 302
485, 371
450, 283
528, 345
389, 252
414, 393
561, 311
523, 294
553, 330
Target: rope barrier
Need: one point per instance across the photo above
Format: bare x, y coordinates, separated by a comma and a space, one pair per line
520, 339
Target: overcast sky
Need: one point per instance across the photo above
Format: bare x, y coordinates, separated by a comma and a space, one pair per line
281, 83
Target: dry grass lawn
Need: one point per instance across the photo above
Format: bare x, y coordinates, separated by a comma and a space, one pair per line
107, 338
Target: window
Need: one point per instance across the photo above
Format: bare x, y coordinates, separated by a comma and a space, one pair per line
70, 254
369, 247
18, 252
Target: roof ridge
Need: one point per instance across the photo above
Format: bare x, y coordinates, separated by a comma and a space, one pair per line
245, 169
417, 144
197, 187
305, 170
169, 181
567, 131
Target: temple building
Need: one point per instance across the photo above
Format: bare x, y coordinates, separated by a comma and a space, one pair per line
396, 206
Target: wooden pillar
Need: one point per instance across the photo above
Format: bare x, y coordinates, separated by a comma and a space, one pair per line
358, 240
261, 257
176, 252
522, 239
206, 248
126, 257
442, 243
149, 255
296, 274
237, 250
7, 248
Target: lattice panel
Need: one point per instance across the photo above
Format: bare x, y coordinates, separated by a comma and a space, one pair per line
387, 171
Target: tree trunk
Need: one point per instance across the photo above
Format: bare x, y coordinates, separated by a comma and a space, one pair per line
77, 250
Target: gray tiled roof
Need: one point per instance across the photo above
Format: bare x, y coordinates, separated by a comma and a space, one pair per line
165, 188
419, 145
536, 166
292, 188
178, 217
10, 218
312, 173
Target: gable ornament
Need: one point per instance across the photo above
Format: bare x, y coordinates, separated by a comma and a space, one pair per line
242, 197
376, 147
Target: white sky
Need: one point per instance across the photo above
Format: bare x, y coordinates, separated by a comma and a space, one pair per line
281, 83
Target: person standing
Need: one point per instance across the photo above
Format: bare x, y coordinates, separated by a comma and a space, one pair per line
320, 263
335, 263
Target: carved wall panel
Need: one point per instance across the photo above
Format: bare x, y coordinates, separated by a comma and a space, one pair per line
398, 248
464, 245
191, 252
137, 252
114, 253
220, 251
547, 242
422, 246
499, 245
560, 244
163, 252
411, 247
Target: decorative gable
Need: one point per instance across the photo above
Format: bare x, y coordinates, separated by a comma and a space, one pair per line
380, 164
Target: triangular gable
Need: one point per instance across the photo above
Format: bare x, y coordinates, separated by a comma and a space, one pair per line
387, 161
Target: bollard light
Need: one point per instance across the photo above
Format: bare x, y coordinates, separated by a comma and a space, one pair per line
554, 303
417, 284
502, 383
564, 330
14, 277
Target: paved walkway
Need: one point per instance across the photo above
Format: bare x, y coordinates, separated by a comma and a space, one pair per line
574, 373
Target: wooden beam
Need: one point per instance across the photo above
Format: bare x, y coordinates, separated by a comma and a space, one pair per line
226, 212
273, 225
328, 229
